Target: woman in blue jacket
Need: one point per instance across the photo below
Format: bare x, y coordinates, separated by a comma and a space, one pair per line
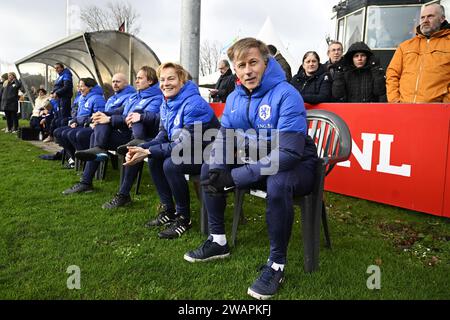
91, 100
312, 80
185, 116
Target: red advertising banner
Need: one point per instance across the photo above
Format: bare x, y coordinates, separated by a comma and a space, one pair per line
400, 155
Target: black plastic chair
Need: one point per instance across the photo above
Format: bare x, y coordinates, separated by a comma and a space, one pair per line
333, 140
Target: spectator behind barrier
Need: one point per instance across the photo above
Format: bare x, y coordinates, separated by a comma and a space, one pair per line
281, 60
360, 78
335, 53
226, 83
312, 80
419, 71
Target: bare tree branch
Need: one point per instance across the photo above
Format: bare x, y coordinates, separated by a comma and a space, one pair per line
110, 18
209, 57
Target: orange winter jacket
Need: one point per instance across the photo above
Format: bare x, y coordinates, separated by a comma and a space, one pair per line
420, 69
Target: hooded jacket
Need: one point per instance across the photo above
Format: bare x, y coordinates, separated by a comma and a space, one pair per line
314, 89
147, 102
116, 103
273, 111
420, 69
64, 85
87, 105
365, 84
179, 115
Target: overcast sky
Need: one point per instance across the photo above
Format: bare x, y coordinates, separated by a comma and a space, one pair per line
302, 25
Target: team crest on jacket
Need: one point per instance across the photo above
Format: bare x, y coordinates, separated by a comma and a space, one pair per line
264, 112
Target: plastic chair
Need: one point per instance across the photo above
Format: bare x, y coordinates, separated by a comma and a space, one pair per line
333, 140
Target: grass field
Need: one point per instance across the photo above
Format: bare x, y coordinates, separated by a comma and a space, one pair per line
42, 233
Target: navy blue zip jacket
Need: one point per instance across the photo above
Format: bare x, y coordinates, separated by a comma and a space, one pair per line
64, 85
93, 102
116, 103
178, 117
146, 102
273, 105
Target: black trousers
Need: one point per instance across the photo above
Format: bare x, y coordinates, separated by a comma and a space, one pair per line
12, 120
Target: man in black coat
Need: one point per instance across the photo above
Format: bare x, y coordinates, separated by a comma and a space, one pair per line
281, 60
10, 101
226, 83
335, 53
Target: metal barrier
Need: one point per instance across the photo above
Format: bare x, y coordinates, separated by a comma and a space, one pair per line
25, 109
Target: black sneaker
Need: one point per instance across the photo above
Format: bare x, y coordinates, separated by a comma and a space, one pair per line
96, 153
119, 200
267, 284
123, 149
209, 250
176, 228
164, 217
79, 188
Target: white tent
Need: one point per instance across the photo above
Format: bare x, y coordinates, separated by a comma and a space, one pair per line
270, 36
209, 79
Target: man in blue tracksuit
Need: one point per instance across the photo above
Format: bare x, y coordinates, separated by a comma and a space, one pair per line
185, 116
115, 105
89, 101
270, 111
63, 92
115, 130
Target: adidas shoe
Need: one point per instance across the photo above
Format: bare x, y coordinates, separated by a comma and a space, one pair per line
165, 216
176, 228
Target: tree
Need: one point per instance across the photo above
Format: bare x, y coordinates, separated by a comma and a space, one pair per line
111, 18
209, 57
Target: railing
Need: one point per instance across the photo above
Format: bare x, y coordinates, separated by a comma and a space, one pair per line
25, 109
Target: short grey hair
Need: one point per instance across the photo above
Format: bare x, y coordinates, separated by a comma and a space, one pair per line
441, 7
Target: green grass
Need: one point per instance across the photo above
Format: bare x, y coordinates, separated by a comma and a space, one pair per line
42, 233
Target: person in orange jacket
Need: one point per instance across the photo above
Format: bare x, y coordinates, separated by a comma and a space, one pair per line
419, 72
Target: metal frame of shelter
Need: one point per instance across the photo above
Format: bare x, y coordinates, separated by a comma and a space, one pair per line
98, 55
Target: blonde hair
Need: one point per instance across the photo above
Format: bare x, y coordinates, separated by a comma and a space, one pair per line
240, 49
179, 70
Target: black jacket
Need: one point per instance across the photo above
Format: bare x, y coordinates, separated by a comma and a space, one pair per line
314, 89
331, 67
365, 84
10, 96
285, 65
225, 85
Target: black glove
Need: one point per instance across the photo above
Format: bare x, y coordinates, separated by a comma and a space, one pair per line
219, 181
